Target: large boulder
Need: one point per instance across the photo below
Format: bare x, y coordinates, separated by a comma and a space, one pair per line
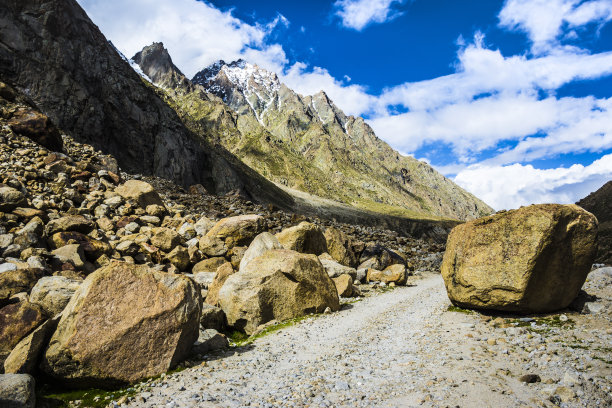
391, 274
53, 293
335, 269
383, 256
223, 272
36, 126
344, 285
26, 355
262, 243
530, 260
16, 281
124, 323
17, 320
236, 231
165, 239
10, 199
281, 284
305, 237
76, 223
208, 265
339, 246
141, 192
17, 391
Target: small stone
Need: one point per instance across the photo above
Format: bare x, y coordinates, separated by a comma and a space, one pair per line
530, 378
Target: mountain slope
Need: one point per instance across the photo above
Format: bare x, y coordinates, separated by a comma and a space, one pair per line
50, 50
600, 204
306, 142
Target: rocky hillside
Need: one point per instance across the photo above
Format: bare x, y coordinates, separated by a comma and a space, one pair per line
127, 262
305, 142
50, 50
600, 204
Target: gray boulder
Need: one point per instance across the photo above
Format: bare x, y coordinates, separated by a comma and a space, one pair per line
17, 391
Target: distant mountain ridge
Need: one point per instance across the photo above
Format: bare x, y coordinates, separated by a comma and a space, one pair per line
305, 142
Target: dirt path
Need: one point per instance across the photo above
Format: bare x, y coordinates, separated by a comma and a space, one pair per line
401, 348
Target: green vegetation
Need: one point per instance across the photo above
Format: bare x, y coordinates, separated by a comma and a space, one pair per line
94, 398
453, 308
49, 396
293, 150
239, 339
547, 322
609, 362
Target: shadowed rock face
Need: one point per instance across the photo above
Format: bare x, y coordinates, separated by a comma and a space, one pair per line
599, 203
51, 51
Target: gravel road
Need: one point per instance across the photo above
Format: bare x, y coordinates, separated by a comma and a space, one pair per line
402, 348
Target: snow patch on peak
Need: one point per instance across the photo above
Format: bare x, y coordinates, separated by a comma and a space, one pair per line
132, 63
245, 76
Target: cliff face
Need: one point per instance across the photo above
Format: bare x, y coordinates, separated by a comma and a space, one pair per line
51, 51
305, 142
599, 203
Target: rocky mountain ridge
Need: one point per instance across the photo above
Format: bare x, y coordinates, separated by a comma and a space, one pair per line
306, 143
55, 55
600, 204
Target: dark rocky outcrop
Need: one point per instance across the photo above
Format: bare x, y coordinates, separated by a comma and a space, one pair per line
599, 203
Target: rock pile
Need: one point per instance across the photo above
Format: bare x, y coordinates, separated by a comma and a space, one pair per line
99, 267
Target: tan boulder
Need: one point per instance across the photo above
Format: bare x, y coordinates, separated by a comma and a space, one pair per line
281, 284
262, 243
305, 237
212, 246
208, 265
530, 260
10, 198
76, 223
165, 238
344, 285
26, 355
339, 246
53, 293
141, 192
223, 272
16, 281
92, 248
335, 269
179, 257
72, 253
17, 320
237, 231
125, 323
391, 274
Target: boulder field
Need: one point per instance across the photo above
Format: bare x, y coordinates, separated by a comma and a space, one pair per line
108, 278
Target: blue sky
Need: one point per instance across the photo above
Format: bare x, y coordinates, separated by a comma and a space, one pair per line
512, 99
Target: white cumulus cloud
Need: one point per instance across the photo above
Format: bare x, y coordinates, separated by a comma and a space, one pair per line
544, 20
358, 14
512, 186
195, 33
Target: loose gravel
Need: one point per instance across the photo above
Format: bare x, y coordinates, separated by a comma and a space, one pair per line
405, 348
